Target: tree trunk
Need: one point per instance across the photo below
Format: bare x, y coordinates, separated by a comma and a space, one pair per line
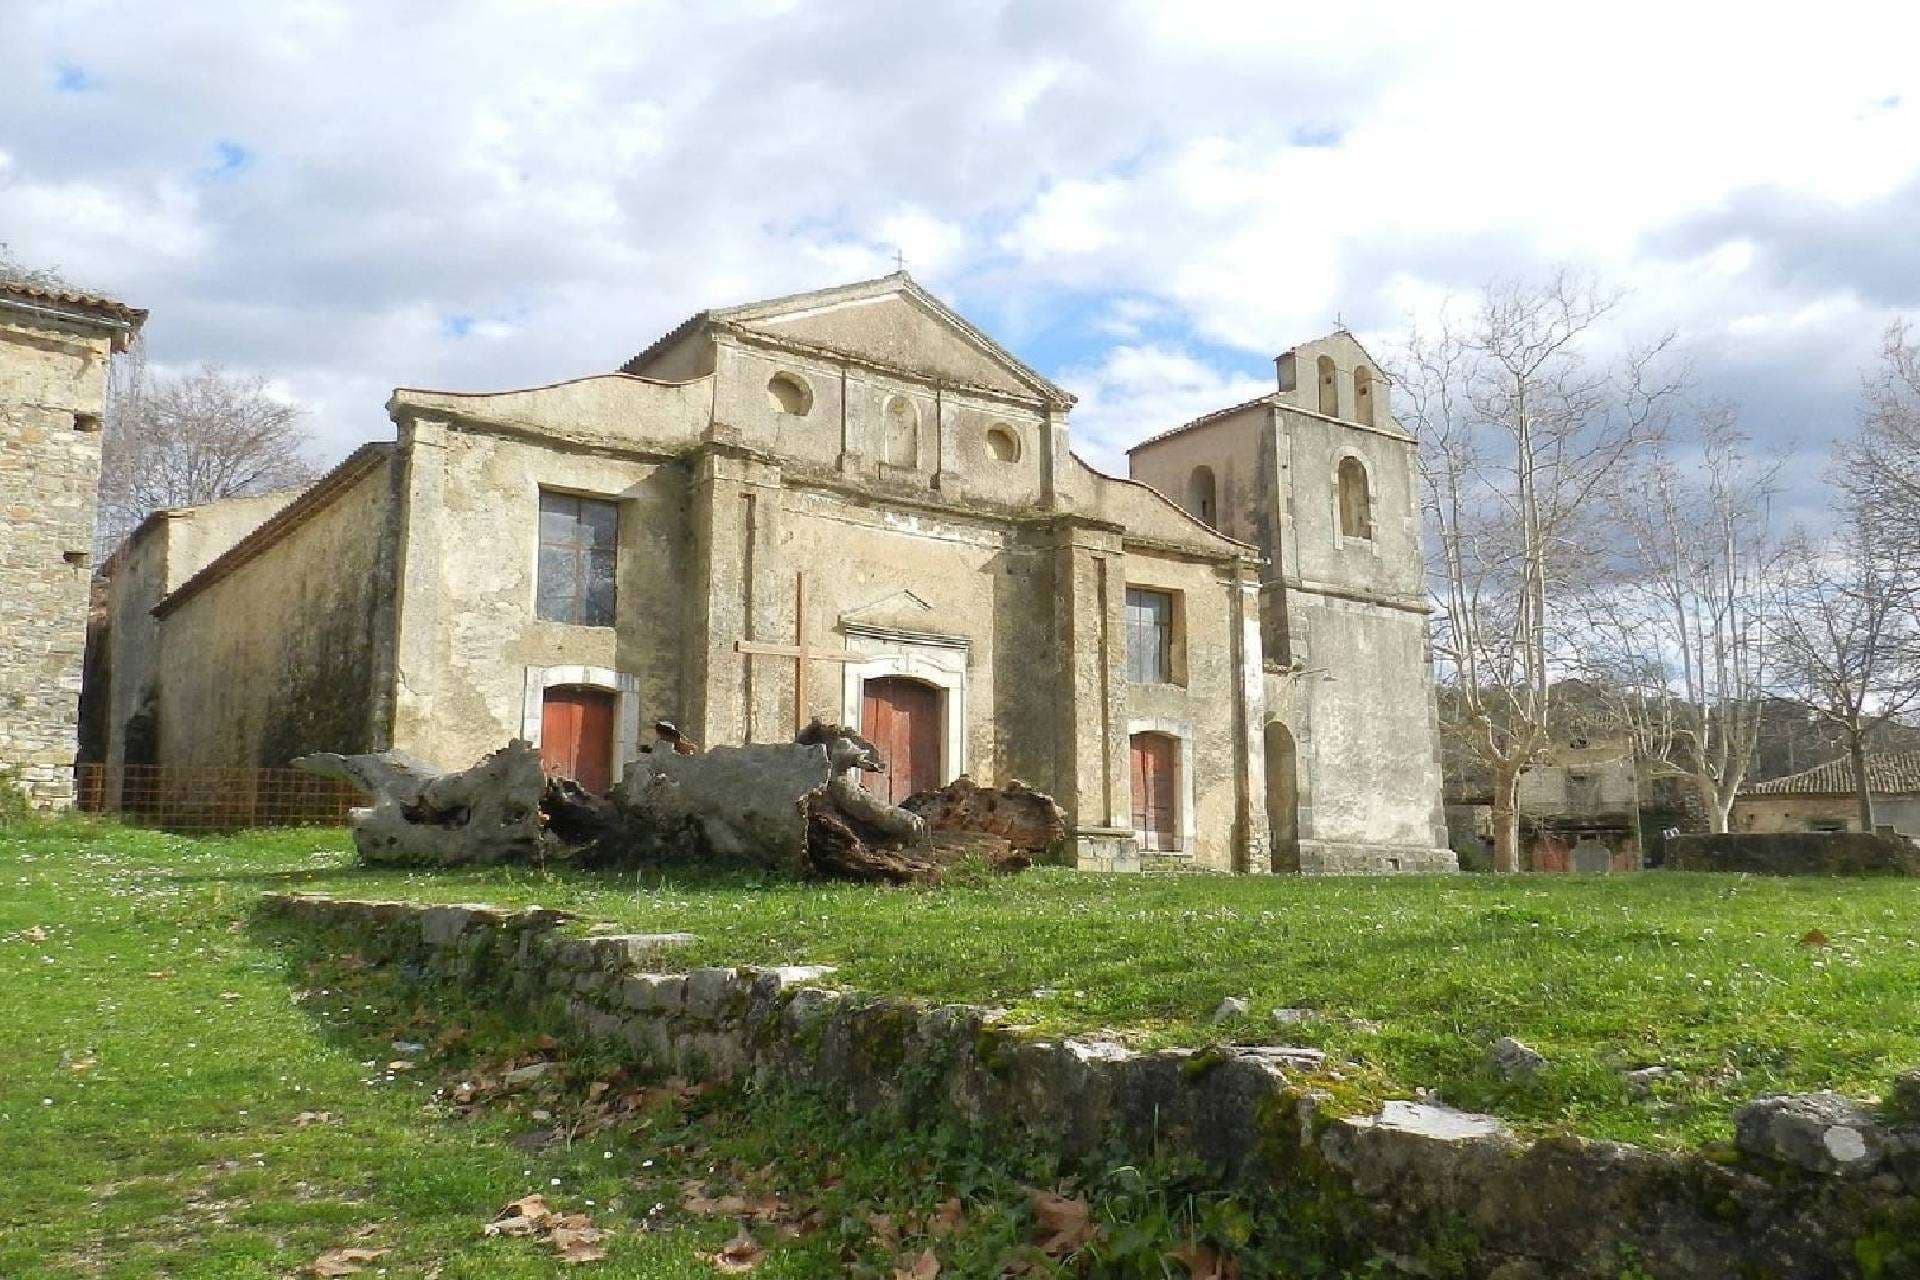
1857, 749
1506, 819
1718, 808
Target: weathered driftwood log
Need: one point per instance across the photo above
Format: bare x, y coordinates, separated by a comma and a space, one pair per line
1026, 819
797, 808
489, 813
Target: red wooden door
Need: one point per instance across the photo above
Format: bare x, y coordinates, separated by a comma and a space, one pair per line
1154, 809
902, 718
576, 737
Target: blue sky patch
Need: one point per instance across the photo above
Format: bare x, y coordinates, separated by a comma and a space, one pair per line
457, 326
71, 78
230, 160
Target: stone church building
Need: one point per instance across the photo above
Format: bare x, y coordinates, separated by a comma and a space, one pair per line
851, 504
55, 345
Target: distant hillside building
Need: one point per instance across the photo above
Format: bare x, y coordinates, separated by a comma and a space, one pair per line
853, 504
55, 346
1823, 798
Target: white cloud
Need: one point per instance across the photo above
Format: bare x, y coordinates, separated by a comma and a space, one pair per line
570, 180
1136, 390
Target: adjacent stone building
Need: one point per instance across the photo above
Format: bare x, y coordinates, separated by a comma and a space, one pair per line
849, 504
1823, 798
1320, 478
55, 346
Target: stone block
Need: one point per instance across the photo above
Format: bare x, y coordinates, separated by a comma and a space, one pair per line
713, 994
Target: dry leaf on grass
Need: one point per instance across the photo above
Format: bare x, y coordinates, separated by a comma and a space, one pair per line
1813, 938
924, 1267
575, 1239
1204, 1262
523, 1217
1065, 1226
343, 1262
36, 933
740, 1254
306, 1118
946, 1218
881, 1224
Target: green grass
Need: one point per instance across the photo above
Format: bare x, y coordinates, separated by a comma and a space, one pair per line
159, 1051
1704, 974
178, 1137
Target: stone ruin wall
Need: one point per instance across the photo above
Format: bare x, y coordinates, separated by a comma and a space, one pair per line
52, 390
1816, 1183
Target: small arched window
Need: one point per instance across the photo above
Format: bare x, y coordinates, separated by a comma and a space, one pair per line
789, 393
1363, 395
903, 433
1002, 443
1329, 390
1201, 496
1356, 504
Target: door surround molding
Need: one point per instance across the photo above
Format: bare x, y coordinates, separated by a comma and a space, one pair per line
938, 660
626, 705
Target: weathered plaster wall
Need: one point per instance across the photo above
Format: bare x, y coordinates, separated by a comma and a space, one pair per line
168, 548
470, 573
52, 391
1768, 813
280, 656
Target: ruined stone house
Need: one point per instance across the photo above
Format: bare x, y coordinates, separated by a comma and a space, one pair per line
850, 504
55, 345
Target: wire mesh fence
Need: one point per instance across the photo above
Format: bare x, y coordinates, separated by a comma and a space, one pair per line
190, 799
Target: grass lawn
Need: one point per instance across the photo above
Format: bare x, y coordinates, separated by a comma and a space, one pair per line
156, 1059
1705, 974
183, 1097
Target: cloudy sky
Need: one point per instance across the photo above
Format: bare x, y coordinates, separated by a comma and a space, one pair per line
1144, 201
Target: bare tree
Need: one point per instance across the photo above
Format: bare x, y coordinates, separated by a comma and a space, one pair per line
1679, 628
193, 438
14, 271
1878, 469
1846, 642
1518, 437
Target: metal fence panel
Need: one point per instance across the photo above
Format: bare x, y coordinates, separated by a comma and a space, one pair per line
193, 799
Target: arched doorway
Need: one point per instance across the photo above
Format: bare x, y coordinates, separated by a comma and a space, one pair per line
901, 717
1283, 797
576, 735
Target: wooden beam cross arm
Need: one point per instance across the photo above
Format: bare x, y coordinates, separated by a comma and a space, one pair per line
800, 651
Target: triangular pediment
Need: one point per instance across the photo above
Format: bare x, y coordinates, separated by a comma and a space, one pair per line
895, 323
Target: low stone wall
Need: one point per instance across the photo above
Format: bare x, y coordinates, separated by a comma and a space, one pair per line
1819, 1188
1796, 853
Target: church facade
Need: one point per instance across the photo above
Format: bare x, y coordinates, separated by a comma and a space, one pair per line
848, 504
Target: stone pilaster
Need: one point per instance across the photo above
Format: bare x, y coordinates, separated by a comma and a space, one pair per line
1091, 772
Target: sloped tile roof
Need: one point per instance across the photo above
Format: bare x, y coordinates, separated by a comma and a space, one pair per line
93, 302
1896, 773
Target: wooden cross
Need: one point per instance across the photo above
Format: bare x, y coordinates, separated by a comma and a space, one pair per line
799, 651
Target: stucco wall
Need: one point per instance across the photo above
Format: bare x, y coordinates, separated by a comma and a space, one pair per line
168, 548
1765, 813
471, 571
277, 657
52, 386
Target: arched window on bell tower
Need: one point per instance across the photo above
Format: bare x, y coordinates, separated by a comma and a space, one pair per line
1329, 389
1363, 395
1356, 503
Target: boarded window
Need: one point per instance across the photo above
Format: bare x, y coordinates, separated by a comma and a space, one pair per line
577, 558
1149, 636
1154, 758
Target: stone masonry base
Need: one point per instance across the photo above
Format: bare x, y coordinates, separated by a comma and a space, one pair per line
1405, 1181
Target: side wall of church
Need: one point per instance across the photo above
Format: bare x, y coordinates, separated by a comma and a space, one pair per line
275, 658
52, 381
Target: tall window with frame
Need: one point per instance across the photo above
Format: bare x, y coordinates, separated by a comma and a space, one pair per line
578, 537
1149, 636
